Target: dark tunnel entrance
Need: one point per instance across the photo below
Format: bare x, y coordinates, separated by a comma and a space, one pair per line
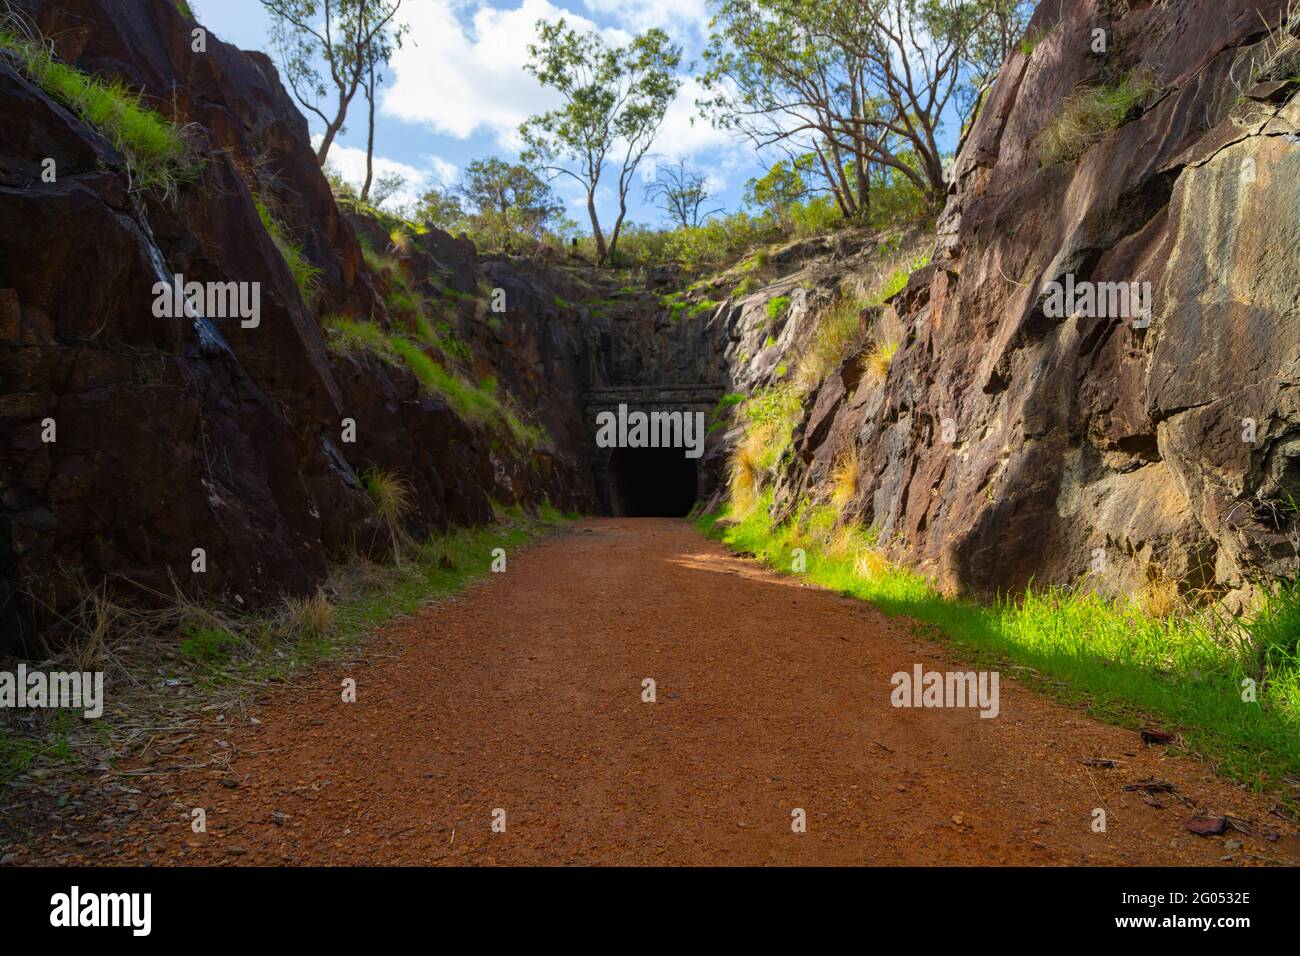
652, 482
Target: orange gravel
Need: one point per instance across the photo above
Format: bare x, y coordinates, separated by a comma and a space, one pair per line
524, 694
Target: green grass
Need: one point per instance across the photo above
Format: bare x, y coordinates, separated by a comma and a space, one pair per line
347, 335
479, 403
898, 279
675, 303
207, 645
1182, 672
771, 415
1029, 42
839, 332
152, 147
776, 308
305, 275
18, 753
717, 413
704, 307
1088, 115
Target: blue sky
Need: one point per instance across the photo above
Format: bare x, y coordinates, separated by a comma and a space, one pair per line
457, 91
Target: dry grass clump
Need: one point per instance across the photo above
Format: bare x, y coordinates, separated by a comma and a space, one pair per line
881, 357
870, 564
394, 500
844, 480
307, 617
1160, 597
1279, 56
746, 468
1089, 114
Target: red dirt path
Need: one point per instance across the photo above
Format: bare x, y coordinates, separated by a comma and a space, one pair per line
524, 693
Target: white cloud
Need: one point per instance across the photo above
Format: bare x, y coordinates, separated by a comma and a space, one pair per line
684, 132
460, 78
639, 15
461, 73
351, 163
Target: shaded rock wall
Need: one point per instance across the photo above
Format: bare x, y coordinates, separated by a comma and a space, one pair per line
176, 434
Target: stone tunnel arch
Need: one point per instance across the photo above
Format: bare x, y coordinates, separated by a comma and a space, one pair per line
649, 481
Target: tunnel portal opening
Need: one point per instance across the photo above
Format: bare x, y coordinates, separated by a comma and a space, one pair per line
652, 482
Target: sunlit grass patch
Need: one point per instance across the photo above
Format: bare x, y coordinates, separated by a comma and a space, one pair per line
1187, 671
839, 332
898, 278
777, 308
844, 480
474, 402
1089, 114
881, 357
153, 148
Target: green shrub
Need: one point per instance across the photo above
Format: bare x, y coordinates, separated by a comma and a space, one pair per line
816, 216
777, 308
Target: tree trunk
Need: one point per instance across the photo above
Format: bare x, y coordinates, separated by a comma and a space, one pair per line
618, 225
370, 137
595, 227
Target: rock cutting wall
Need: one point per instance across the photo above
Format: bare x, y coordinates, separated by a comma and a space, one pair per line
1008, 445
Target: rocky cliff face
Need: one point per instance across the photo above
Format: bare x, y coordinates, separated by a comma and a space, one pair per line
1012, 442
176, 434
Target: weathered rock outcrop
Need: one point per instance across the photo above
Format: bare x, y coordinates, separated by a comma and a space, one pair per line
1007, 445
178, 434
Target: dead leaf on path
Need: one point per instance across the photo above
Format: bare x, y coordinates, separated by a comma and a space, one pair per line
1206, 826
1151, 801
1102, 762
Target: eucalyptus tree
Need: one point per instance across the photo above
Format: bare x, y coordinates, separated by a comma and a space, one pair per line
333, 48
613, 101
854, 83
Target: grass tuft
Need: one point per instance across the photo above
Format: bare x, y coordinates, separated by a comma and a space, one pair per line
394, 500
844, 481
305, 275
307, 618
153, 148
881, 357
840, 330
1088, 115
